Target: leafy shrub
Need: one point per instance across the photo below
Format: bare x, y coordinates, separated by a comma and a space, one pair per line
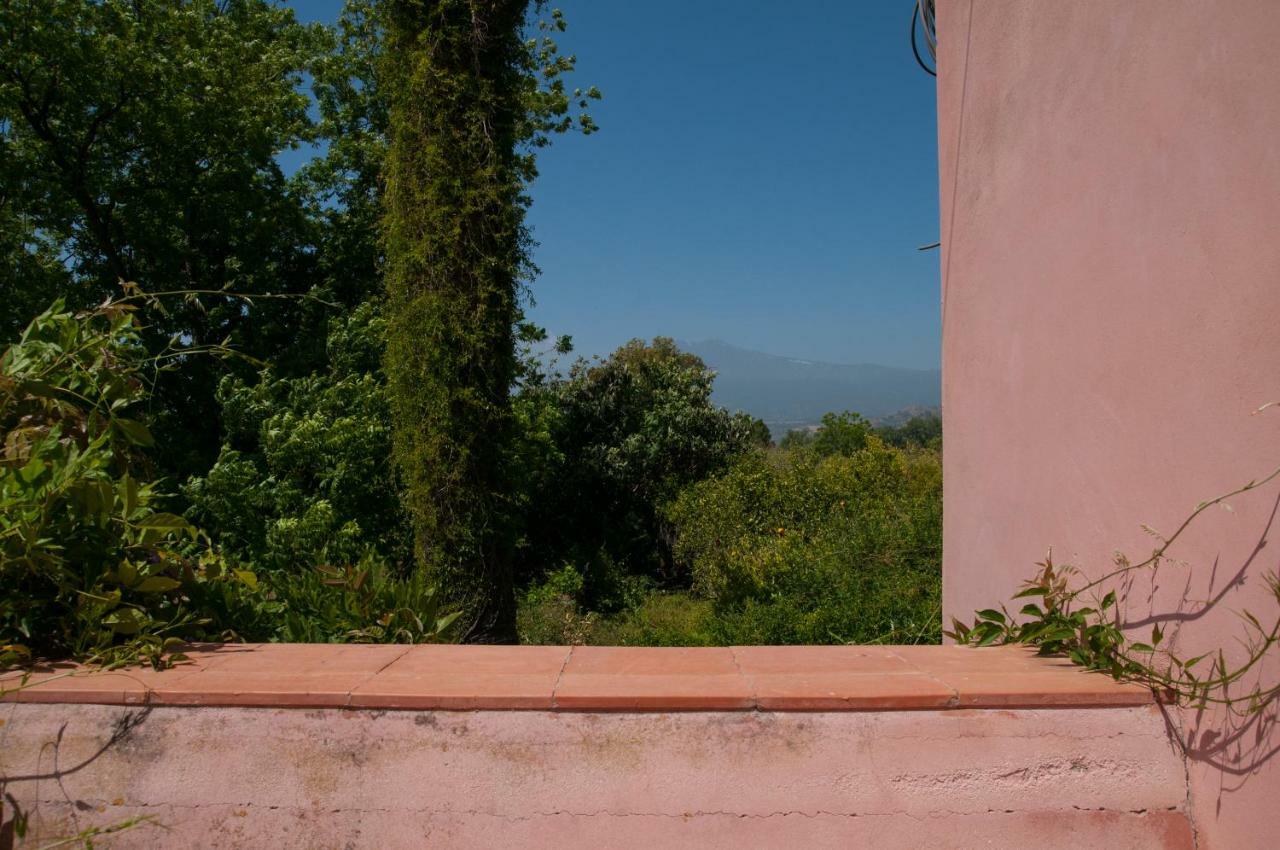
662, 618
90, 565
363, 603
567, 605
841, 434
550, 613
796, 548
304, 476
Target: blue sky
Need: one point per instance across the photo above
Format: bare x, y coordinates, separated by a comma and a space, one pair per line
763, 175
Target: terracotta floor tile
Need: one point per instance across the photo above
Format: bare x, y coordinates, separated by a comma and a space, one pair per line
305, 658
435, 659
643, 692
651, 661
40, 672
1048, 688
994, 659
280, 689
75, 686
612, 678
818, 659
458, 691
592, 678
466, 678
849, 691
74, 683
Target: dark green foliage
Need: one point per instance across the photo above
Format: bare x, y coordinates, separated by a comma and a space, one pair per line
833, 537
90, 564
795, 439
662, 618
467, 104
629, 433
303, 477
357, 603
758, 434
342, 188
551, 615
846, 433
138, 142
924, 431
840, 434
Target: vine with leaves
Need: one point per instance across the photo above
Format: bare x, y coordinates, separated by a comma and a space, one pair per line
1073, 618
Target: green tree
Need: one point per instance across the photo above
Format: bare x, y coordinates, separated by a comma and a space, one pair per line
92, 567
90, 564
469, 101
796, 439
842, 434
758, 433
343, 186
138, 142
629, 433
923, 430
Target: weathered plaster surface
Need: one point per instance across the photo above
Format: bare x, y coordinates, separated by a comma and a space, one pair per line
289, 778
1110, 196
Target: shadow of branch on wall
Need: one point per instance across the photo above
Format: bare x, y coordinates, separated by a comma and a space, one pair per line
1200, 608
1220, 687
14, 820
1234, 744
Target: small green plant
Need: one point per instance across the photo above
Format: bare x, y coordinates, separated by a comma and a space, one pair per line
362, 603
1072, 619
663, 618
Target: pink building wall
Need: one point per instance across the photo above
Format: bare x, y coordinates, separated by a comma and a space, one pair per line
1110, 197
296, 779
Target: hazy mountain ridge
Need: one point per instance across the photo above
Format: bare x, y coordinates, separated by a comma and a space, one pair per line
789, 392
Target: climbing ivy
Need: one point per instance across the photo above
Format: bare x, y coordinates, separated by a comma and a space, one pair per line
470, 100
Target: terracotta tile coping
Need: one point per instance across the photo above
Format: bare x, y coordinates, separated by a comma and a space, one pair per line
586, 678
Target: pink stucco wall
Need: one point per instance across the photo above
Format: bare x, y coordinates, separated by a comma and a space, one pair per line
1110, 196
298, 779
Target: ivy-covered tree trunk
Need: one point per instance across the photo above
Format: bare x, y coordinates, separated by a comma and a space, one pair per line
455, 249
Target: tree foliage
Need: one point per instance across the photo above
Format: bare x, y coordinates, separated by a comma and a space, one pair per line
798, 548
92, 566
629, 433
922, 430
303, 476
138, 142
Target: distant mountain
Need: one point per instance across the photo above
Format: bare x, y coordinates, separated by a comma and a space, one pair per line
789, 393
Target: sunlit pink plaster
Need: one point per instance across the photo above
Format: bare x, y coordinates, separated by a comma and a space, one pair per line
293, 779
1110, 197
